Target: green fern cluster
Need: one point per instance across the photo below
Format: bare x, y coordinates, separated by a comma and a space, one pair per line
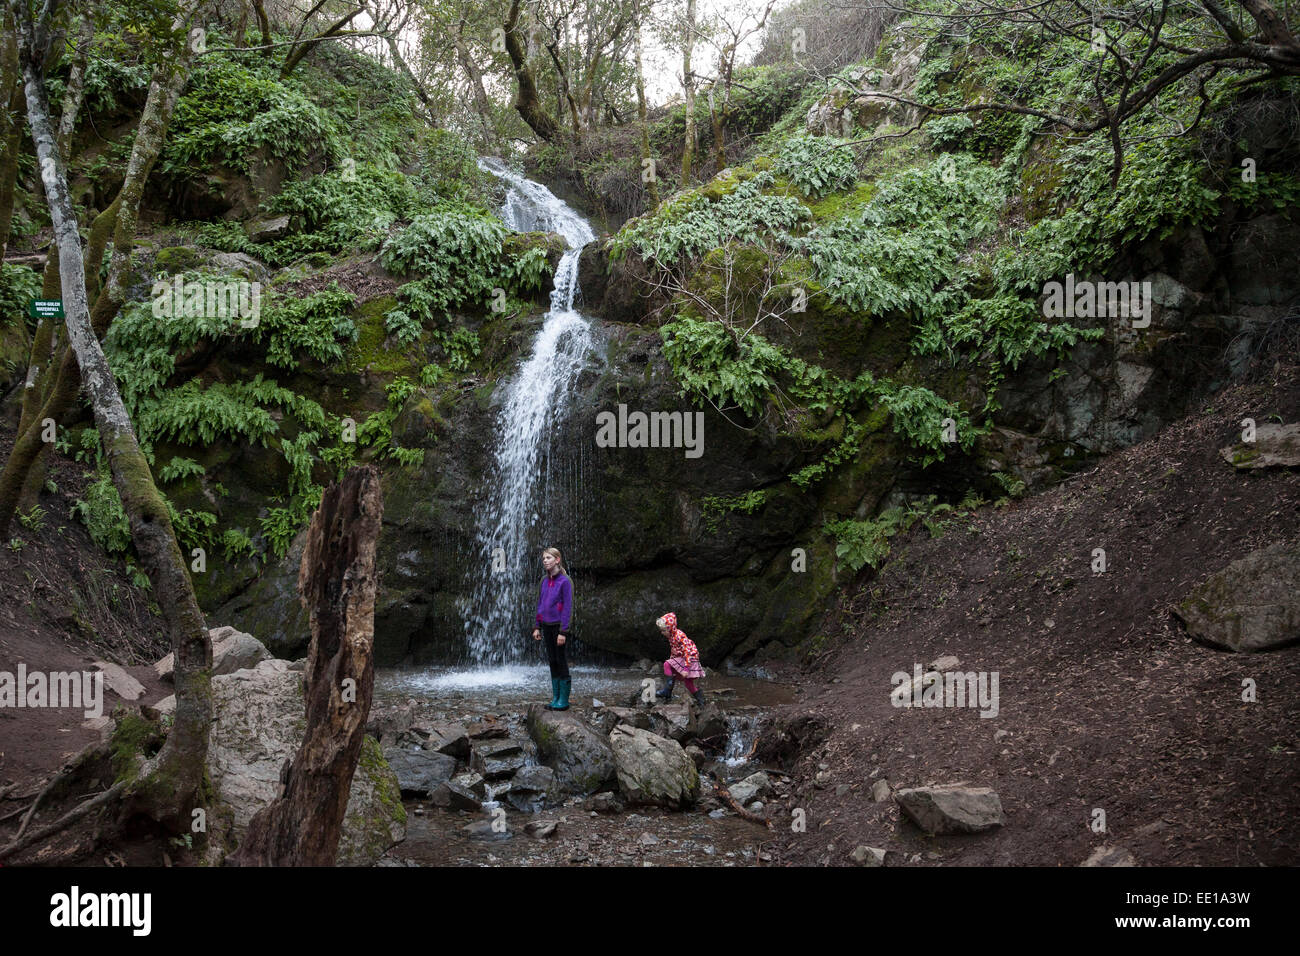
816, 165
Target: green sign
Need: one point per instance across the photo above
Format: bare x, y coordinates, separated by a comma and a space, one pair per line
45, 308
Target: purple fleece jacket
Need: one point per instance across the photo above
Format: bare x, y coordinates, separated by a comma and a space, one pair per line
555, 600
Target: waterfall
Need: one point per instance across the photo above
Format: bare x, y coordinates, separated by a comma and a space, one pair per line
504, 576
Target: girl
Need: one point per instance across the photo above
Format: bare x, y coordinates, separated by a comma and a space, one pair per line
684, 663
554, 612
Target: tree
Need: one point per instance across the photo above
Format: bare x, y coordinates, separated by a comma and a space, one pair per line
1141, 54
688, 84
170, 783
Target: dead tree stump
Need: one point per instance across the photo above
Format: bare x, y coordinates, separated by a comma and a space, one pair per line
336, 582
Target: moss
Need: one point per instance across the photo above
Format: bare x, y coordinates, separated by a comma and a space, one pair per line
174, 259
371, 761
842, 204
134, 740
368, 352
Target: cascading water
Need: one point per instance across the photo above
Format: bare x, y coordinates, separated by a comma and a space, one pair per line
511, 522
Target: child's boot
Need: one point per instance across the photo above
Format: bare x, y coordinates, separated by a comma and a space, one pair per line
699, 697
555, 693
667, 692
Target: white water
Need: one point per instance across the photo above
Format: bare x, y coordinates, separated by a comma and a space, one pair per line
511, 527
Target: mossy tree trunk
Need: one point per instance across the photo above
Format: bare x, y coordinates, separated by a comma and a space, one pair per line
688, 80
527, 102
337, 582
53, 379
652, 183
170, 784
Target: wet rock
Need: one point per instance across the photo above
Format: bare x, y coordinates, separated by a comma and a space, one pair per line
951, 808
696, 754
464, 792
530, 788
259, 718
653, 769
488, 729
707, 723
868, 856
1110, 856
1251, 605
1275, 446
581, 756
611, 717
751, 788
419, 772
445, 738
497, 759
671, 720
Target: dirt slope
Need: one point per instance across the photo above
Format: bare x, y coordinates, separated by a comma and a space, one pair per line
1107, 701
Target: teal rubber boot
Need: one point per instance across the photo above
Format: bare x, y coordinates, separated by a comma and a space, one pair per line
566, 685
555, 694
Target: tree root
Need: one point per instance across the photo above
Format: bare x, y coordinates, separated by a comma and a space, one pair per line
741, 812
72, 816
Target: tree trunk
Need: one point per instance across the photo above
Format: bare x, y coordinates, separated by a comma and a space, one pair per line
11, 91
337, 582
482, 104
171, 782
688, 150
527, 101
76, 88
652, 185
54, 396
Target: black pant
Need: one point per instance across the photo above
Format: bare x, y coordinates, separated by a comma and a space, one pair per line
555, 652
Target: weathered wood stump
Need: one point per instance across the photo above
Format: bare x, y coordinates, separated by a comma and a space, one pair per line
336, 582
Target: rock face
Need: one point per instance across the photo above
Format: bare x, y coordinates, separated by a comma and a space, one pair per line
581, 758
951, 808
1251, 605
653, 769
1275, 446
258, 724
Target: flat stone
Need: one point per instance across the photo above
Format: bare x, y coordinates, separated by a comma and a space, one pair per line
419, 772
120, 682
951, 808
1275, 446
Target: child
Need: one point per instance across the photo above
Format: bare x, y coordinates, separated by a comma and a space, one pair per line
684, 663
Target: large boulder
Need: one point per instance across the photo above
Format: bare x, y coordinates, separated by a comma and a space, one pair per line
1275, 446
259, 718
581, 758
952, 808
232, 650
653, 769
1251, 605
